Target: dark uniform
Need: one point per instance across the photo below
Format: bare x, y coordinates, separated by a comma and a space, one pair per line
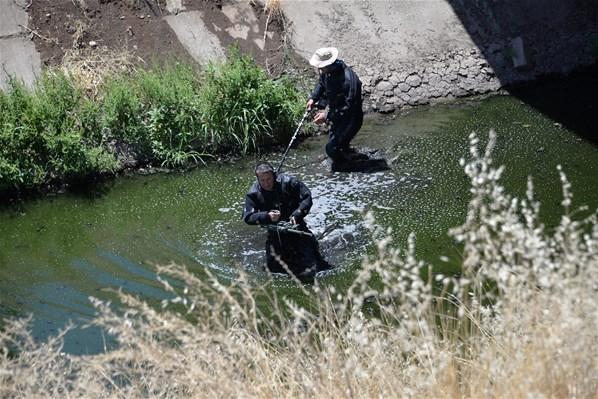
292, 198
339, 88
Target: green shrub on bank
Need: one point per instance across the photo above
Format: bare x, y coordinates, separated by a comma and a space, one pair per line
243, 109
45, 134
169, 116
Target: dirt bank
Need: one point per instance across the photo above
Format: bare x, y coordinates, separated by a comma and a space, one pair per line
145, 28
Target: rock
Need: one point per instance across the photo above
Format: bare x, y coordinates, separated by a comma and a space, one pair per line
384, 86
405, 97
387, 108
394, 79
404, 87
458, 92
93, 44
413, 80
434, 79
402, 76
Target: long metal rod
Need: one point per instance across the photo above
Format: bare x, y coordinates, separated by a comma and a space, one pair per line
284, 156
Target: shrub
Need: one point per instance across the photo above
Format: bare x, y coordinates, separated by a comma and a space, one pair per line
242, 109
177, 117
172, 116
47, 134
169, 115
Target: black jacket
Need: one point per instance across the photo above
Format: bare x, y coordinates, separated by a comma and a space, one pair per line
340, 89
290, 196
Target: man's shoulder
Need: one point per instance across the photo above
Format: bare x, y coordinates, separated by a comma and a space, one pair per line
285, 179
254, 189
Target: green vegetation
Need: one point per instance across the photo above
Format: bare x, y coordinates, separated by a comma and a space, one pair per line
174, 116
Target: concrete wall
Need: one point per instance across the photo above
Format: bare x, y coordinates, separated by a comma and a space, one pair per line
18, 56
415, 52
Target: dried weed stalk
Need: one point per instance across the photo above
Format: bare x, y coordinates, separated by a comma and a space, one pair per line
90, 67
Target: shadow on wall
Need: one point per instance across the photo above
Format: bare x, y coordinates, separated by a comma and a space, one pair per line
523, 39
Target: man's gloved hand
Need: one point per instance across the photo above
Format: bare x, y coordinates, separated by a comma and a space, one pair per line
297, 217
320, 117
274, 215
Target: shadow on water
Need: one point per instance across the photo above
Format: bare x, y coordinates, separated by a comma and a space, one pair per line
92, 188
555, 35
572, 102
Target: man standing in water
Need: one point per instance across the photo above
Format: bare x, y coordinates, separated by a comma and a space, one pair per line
338, 98
273, 199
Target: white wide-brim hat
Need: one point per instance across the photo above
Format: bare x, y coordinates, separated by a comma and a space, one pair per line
324, 56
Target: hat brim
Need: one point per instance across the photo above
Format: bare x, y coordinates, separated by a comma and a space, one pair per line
316, 62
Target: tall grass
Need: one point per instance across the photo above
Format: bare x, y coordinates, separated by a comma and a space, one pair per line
241, 108
518, 321
172, 116
48, 134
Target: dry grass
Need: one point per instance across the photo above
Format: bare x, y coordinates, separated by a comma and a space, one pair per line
91, 67
390, 335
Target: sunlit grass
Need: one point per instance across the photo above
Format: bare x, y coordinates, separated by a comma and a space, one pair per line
81, 119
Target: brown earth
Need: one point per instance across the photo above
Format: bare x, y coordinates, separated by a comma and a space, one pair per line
138, 27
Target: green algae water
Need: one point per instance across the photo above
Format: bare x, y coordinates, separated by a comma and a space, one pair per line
57, 252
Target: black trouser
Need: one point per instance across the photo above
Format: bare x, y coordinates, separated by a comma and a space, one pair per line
342, 132
299, 252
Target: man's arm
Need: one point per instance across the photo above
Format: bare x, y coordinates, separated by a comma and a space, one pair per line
318, 91
305, 200
251, 215
354, 88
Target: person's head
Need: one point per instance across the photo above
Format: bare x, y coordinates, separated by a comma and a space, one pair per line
323, 58
266, 176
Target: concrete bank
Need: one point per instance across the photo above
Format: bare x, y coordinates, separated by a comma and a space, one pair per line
415, 52
18, 56
406, 52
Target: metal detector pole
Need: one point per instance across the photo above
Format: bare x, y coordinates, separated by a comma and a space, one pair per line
284, 156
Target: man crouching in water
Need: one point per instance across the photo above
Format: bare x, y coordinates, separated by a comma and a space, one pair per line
277, 198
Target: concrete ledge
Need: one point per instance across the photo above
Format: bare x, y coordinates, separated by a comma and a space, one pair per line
18, 58
11, 17
193, 34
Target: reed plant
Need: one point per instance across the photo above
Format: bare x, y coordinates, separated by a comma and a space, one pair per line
518, 321
78, 120
243, 109
48, 134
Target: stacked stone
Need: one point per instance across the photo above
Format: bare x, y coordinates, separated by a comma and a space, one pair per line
455, 74
470, 72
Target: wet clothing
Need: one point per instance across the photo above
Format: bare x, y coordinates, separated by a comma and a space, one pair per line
292, 198
339, 88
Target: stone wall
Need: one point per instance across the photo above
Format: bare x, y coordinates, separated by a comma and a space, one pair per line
467, 72
416, 52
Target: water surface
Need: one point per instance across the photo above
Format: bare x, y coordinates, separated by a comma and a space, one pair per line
56, 252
